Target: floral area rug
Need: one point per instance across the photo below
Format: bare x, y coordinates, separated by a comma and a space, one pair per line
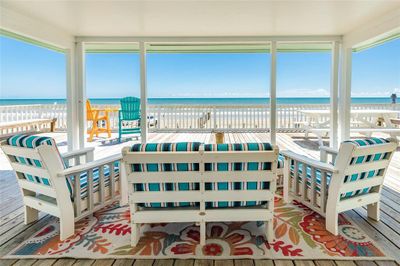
299, 233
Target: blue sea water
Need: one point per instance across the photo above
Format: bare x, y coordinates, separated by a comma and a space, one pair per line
199, 101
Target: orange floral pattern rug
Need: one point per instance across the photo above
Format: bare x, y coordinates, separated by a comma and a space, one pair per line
299, 233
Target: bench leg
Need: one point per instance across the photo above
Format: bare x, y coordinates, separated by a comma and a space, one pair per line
31, 215
67, 226
202, 233
373, 211
331, 222
135, 234
269, 231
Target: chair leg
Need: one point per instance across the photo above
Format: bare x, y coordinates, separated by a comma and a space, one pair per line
269, 231
31, 215
108, 127
373, 211
67, 226
135, 234
331, 222
202, 233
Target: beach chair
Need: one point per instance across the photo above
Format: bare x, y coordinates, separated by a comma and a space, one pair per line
97, 117
353, 179
129, 116
69, 186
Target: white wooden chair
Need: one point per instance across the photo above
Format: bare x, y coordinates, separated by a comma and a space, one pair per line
194, 182
354, 179
62, 185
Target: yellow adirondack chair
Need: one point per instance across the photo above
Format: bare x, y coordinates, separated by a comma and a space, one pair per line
95, 116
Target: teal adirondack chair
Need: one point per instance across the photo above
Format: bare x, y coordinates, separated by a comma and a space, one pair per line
130, 111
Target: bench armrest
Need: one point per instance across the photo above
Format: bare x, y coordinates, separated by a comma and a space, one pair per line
325, 151
309, 162
88, 153
89, 166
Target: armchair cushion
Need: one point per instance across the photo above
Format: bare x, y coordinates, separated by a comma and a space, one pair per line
361, 160
32, 142
317, 176
96, 180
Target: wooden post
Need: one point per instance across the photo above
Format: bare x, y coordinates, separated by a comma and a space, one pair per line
345, 94
72, 119
81, 92
334, 96
273, 93
143, 92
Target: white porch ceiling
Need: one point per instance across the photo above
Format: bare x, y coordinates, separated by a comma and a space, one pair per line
203, 17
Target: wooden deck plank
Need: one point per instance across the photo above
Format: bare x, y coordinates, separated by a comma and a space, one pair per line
203, 263
124, 262
166, 262
64, 262
224, 263
183, 262
244, 262
143, 262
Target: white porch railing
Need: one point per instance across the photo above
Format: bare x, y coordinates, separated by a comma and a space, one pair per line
175, 118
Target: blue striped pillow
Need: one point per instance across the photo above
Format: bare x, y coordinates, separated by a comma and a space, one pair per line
166, 167
237, 166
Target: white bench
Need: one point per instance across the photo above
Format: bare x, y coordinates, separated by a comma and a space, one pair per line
194, 182
24, 126
323, 132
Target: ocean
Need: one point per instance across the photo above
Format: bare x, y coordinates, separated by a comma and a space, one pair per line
200, 101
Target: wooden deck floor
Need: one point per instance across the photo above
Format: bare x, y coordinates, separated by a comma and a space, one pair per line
386, 232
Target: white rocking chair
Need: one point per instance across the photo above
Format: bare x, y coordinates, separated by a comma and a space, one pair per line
48, 182
354, 179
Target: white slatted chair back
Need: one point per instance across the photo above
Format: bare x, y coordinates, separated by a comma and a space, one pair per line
362, 165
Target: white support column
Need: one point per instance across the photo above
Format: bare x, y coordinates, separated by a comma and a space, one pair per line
143, 92
345, 94
333, 133
273, 93
81, 92
72, 118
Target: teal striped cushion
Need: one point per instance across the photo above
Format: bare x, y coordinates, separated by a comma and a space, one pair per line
96, 183
364, 159
308, 169
166, 167
237, 166
281, 161
32, 141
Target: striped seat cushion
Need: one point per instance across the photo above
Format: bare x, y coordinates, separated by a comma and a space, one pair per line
96, 181
281, 161
364, 159
317, 176
237, 166
32, 141
166, 167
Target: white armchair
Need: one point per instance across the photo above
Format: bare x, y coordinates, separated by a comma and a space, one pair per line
354, 178
69, 186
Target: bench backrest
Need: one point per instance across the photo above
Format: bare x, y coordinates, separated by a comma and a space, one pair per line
36, 161
362, 166
198, 175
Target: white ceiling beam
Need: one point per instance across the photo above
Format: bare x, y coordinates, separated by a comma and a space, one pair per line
204, 39
371, 31
34, 29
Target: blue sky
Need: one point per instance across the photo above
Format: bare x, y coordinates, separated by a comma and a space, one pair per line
28, 71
